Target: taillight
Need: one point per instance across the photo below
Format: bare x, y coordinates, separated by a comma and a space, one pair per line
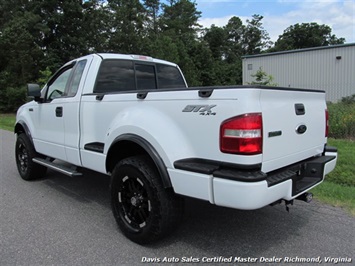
326, 123
242, 134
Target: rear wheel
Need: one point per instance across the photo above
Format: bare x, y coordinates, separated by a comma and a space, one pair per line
25, 152
144, 210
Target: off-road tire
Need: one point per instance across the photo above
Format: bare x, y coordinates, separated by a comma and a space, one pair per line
145, 211
25, 152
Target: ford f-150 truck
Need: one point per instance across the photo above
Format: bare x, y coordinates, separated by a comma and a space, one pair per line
134, 118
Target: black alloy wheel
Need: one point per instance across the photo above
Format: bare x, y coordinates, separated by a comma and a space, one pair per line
145, 211
22, 158
134, 203
25, 152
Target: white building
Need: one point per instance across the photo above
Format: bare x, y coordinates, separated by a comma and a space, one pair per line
329, 68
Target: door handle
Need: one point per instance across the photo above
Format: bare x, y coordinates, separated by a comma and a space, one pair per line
300, 109
59, 111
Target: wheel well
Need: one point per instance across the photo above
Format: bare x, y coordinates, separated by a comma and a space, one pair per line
19, 129
136, 146
121, 150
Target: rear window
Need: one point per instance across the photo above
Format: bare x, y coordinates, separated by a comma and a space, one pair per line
126, 75
145, 77
169, 77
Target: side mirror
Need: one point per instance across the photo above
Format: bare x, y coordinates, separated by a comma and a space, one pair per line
33, 90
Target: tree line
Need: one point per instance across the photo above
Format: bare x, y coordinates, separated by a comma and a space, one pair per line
38, 36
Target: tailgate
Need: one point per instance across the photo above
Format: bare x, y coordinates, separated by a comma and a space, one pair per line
293, 126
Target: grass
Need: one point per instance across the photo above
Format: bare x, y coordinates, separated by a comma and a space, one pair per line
338, 189
342, 120
336, 195
7, 121
344, 173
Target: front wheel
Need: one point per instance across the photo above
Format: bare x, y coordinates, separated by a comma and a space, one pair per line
25, 152
144, 210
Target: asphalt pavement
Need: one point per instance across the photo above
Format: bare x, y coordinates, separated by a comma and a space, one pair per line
60, 220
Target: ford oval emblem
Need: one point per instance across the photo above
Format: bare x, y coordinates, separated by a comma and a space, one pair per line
301, 129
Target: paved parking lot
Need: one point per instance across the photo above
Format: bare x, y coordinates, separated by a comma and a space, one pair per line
60, 220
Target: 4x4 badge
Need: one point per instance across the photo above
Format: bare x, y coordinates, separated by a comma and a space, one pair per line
202, 109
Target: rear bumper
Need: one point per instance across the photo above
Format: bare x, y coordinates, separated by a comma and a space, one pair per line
249, 189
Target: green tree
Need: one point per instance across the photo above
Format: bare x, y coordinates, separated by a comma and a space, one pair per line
44, 76
262, 78
126, 24
179, 19
235, 31
225, 51
63, 39
216, 38
306, 35
21, 54
163, 47
38, 36
179, 22
95, 25
34, 35
152, 8
230, 42
255, 37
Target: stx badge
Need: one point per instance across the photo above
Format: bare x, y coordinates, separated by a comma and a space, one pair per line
202, 109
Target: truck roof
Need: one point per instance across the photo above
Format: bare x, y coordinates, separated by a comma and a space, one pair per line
134, 57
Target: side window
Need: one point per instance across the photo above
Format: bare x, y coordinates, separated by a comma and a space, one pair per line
75, 81
57, 87
169, 77
115, 76
145, 75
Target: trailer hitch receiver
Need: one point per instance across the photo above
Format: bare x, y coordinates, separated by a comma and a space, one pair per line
306, 197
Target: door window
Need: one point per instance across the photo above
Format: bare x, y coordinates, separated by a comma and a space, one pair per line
57, 87
75, 81
115, 76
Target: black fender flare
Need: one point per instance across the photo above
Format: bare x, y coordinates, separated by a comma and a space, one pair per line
26, 129
150, 150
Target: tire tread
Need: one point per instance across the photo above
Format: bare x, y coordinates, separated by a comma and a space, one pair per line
169, 216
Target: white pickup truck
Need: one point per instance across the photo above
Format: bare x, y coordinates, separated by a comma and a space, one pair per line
134, 118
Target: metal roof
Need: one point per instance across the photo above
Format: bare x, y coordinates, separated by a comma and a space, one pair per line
300, 50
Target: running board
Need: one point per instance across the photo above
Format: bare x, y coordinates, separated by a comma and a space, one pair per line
56, 167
